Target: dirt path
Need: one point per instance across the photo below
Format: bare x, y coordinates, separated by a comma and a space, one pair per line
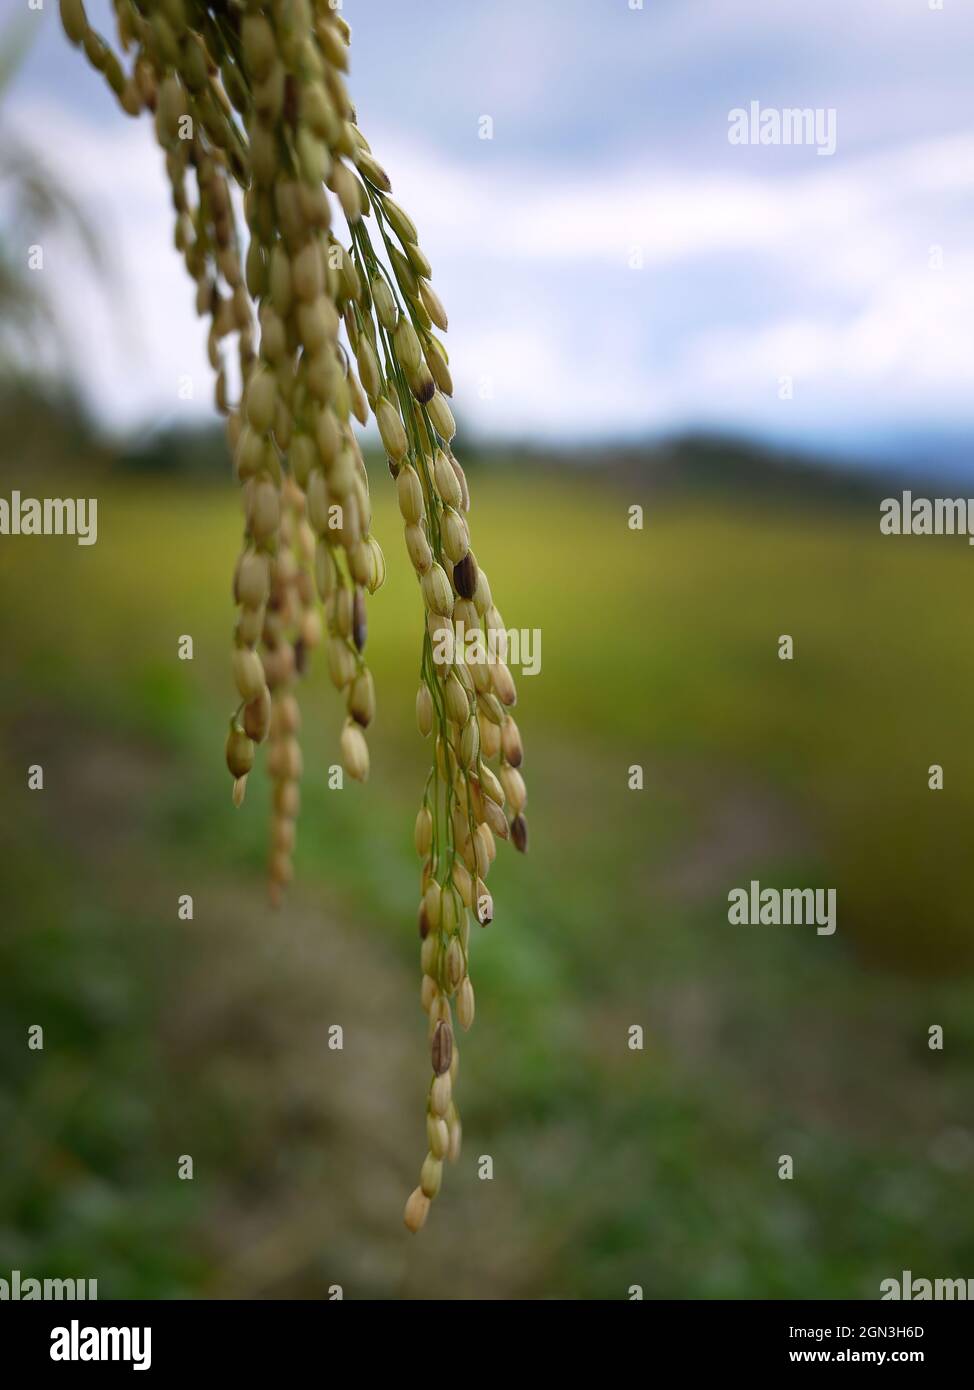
303, 1152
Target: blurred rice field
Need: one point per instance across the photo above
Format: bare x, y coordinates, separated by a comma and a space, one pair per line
611, 1167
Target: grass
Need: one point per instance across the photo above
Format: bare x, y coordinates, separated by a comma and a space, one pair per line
611, 1167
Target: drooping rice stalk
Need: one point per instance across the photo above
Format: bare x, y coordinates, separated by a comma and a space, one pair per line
252, 94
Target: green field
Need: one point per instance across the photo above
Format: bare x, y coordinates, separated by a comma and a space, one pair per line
611, 1167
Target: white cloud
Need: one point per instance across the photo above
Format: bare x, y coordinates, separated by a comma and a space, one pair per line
530, 262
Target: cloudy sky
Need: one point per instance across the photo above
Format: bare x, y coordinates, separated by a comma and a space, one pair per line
613, 265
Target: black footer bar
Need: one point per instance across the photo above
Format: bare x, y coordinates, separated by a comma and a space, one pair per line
166, 1340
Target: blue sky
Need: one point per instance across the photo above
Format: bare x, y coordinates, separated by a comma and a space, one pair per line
613, 266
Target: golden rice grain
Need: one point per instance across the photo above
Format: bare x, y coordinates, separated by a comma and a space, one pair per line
255, 95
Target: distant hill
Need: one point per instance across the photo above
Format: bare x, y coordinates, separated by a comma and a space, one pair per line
44, 426
703, 463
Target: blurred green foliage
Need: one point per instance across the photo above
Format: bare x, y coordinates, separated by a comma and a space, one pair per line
611, 1167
